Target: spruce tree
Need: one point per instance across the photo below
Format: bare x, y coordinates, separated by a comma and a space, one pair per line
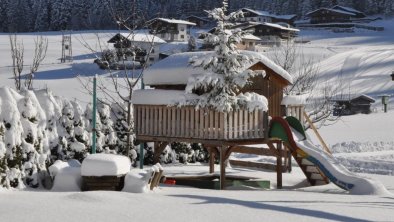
219, 87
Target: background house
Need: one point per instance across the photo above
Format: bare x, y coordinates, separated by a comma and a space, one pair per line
352, 104
264, 16
269, 33
142, 43
335, 14
170, 29
248, 42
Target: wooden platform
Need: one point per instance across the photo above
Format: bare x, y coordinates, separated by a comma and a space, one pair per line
90, 183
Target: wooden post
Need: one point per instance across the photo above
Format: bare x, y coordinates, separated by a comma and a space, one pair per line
317, 134
279, 166
289, 160
222, 153
211, 160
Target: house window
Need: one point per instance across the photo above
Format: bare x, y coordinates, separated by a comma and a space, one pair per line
243, 42
163, 35
260, 19
250, 44
182, 36
182, 29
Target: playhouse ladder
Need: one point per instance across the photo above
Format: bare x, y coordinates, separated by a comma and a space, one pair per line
312, 172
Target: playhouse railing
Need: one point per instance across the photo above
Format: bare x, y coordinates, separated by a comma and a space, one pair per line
296, 111
188, 122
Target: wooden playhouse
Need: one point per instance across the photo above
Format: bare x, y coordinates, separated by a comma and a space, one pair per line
158, 120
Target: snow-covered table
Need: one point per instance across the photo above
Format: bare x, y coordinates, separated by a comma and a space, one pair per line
104, 172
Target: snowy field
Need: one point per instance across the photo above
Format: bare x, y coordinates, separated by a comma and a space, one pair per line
363, 143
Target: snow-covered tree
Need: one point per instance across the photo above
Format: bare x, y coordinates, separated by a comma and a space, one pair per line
72, 136
34, 144
225, 70
12, 171
107, 124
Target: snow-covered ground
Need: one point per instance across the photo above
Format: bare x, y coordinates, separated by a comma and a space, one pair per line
363, 143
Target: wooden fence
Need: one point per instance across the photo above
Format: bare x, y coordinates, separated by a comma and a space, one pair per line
188, 122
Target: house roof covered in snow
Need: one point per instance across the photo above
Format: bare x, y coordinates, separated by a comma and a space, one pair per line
174, 21
205, 19
267, 14
248, 25
330, 9
348, 9
176, 69
137, 37
250, 37
352, 97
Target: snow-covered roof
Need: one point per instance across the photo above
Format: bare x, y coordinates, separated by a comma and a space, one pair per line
280, 26
250, 37
267, 14
140, 37
258, 12
175, 21
352, 97
285, 17
198, 17
250, 24
159, 97
348, 9
330, 9
176, 70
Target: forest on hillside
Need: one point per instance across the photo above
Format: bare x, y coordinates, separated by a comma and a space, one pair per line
54, 15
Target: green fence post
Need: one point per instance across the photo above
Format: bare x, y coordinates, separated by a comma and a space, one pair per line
94, 115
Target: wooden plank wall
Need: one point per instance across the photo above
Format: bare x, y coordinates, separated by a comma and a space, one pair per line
188, 122
296, 111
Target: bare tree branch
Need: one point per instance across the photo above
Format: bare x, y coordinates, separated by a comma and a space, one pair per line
17, 54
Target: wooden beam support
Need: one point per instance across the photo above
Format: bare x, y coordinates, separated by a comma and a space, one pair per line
273, 149
279, 166
159, 148
213, 152
222, 152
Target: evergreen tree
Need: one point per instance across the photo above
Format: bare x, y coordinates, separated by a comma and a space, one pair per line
219, 86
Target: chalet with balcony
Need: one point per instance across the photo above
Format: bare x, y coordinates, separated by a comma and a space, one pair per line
336, 14
264, 16
170, 29
144, 44
260, 33
269, 32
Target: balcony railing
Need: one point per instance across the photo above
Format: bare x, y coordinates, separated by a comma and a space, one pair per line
188, 122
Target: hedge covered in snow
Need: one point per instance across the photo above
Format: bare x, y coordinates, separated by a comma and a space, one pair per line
38, 128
